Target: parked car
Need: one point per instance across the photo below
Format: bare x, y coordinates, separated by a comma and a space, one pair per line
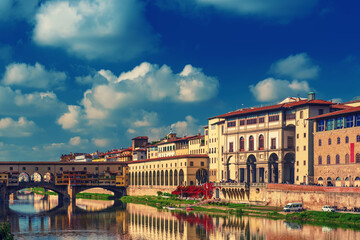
293, 207
328, 209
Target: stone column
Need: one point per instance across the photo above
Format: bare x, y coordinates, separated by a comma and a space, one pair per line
280, 172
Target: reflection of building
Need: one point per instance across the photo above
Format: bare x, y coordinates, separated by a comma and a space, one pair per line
266, 144
337, 148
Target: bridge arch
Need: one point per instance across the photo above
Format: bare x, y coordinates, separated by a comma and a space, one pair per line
24, 177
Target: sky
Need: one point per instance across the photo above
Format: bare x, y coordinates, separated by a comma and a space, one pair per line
82, 76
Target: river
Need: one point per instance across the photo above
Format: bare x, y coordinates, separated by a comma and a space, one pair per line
35, 218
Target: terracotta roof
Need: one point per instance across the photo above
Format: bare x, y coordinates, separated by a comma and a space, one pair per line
178, 139
337, 113
168, 158
340, 106
274, 107
141, 137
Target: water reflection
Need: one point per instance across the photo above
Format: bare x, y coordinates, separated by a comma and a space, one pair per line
95, 219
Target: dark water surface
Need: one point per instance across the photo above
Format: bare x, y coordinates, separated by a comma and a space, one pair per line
95, 219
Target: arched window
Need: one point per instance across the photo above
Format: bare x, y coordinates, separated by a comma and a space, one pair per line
320, 179
337, 159
358, 138
320, 160
357, 179
358, 158
329, 141
328, 159
338, 140
175, 178
319, 142
261, 142
162, 178
329, 178
347, 159
166, 178
338, 179
150, 179
242, 144
346, 139
251, 143
347, 179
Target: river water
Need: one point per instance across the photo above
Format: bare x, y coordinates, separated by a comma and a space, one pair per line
35, 218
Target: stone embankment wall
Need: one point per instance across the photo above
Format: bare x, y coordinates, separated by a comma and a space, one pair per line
312, 197
147, 190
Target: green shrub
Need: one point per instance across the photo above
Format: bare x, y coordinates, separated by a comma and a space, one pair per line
5, 232
159, 193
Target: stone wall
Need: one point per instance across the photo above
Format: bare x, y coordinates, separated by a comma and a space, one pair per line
312, 197
147, 190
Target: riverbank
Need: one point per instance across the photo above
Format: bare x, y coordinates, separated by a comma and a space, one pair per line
333, 219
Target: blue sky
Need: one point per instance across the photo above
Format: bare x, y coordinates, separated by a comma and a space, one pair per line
81, 76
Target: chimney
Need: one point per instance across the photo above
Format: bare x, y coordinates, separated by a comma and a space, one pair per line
311, 96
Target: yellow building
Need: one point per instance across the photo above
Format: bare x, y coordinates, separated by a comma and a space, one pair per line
266, 144
4, 177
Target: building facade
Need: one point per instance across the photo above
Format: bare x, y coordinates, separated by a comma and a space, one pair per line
337, 148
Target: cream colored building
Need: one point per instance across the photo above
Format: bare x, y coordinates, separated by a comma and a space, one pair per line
266, 144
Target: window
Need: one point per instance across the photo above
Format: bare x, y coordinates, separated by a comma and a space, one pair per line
339, 123
261, 119
297, 136
290, 142
304, 148
349, 121
36, 169
358, 138
231, 147
251, 143
329, 124
273, 143
191, 164
49, 168
337, 159
347, 159
24, 168
73, 169
358, 158
231, 124
261, 142
97, 168
304, 163
328, 159
320, 160
304, 135
242, 122
251, 121
290, 116
11, 168
338, 140
320, 126
242, 144
329, 141
85, 169
357, 120
297, 163
297, 148
321, 111
319, 142
202, 164
346, 139
301, 114
61, 168
273, 118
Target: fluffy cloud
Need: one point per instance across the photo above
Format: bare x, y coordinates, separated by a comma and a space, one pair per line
145, 84
70, 119
17, 9
76, 141
298, 66
100, 142
272, 89
257, 8
13, 128
111, 30
21, 74
30, 104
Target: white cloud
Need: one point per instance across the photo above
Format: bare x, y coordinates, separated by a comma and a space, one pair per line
70, 119
111, 30
13, 128
271, 89
100, 142
76, 141
30, 104
278, 9
298, 66
106, 102
21, 74
17, 9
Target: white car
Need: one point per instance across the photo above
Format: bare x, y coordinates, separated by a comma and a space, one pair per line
328, 209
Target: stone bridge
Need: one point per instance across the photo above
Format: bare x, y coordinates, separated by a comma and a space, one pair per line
49, 169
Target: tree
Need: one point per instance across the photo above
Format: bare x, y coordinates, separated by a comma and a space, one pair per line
5, 233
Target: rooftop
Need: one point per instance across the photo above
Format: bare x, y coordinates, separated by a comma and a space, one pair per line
338, 113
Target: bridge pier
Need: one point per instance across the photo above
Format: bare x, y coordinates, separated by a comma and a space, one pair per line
4, 194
